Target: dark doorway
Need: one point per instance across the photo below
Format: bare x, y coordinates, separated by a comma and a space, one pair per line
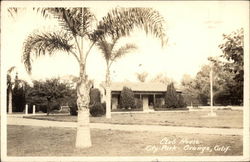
151, 101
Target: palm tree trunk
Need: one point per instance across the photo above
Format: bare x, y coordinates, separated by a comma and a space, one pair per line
83, 138
108, 95
108, 102
10, 102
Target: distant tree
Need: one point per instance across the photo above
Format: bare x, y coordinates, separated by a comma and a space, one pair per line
19, 94
171, 98
142, 76
127, 98
233, 50
225, 87
203, 84
162, 78
181, 101
15, 92
49, 92
190, 93
10, 84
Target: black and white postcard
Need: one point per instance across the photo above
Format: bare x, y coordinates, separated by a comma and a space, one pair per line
125, 81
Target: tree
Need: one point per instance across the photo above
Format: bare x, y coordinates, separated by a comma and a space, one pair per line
50, 91
224, 85
142, 76
188, 89
18, 99
10, 84
95, 96
147, 19
127, 98
78, 27
233, 49
171, 98
111, 56
15, 91
162, 78
181, 101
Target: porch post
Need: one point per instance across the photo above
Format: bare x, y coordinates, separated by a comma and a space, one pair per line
26, 109
34, 109
154, 101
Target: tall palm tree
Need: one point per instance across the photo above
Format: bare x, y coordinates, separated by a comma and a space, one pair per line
111, 55
10, 84
78, 29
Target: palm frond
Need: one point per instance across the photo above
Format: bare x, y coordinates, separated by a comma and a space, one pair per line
12, 11
105, 47
78, 20
127, 48
44, 43
121, 21
11, 69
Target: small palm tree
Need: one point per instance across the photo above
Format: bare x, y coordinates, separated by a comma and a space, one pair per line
78, 30
111, 55
10, 84
144, 18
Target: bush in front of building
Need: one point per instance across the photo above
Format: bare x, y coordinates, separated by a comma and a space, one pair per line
172, 100
181, 102
95, 96
72, 107
104, 107
96, 110
127, 98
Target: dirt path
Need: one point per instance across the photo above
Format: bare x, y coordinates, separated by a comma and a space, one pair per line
152, 128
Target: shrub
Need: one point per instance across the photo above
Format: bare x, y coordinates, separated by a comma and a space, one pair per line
95, 96
43, 108
171, 98
96, 110
158, 103
181, 102
29, 108
18, 99
104, 107
73, 108
127, 98
55, 106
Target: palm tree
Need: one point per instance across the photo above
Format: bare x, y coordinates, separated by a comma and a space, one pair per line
77, 30
111, 55
10, 84
147, 19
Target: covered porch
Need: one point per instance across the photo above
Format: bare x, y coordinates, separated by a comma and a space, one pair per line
146, 101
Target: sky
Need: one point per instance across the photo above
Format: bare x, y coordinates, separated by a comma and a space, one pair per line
190, 40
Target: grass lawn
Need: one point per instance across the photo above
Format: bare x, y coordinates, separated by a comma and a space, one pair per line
224, 119
40, 141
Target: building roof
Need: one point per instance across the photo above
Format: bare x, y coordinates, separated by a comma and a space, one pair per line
143, 87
